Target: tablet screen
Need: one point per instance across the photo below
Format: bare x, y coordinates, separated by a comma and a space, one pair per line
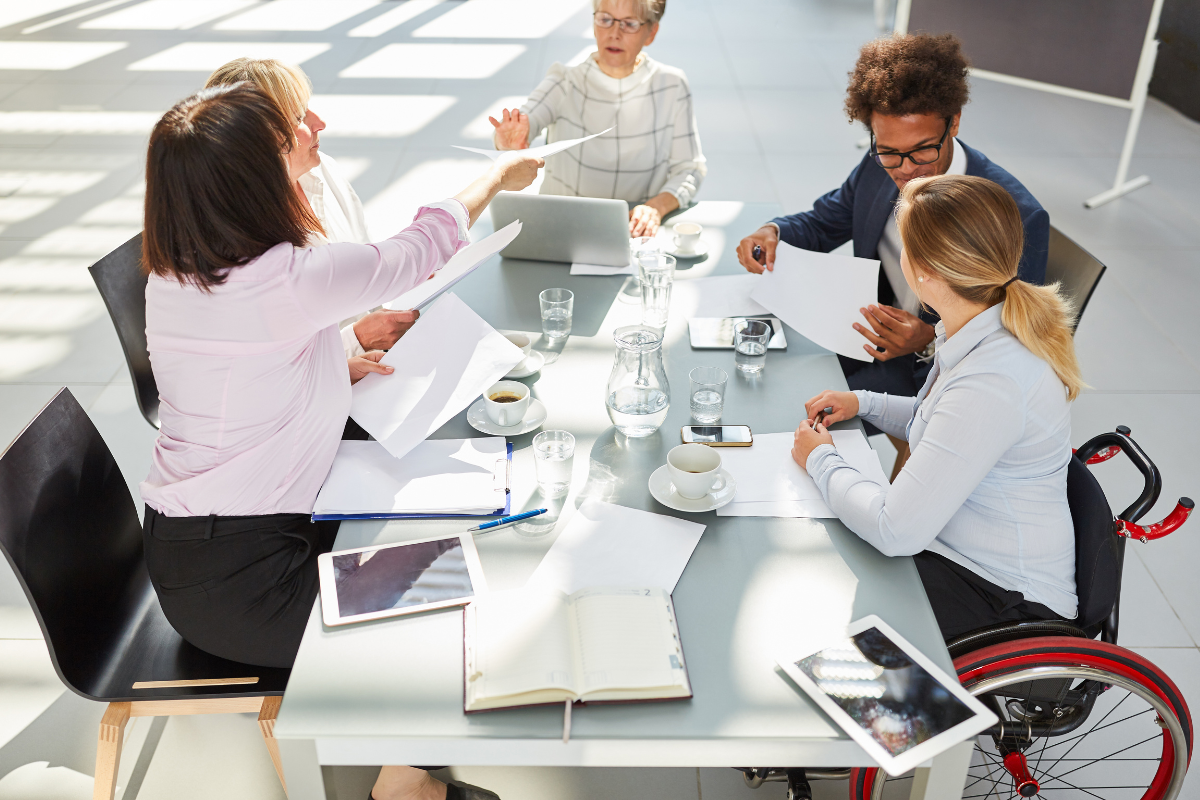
401, 576
886, 693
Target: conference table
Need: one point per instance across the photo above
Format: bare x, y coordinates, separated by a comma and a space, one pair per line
391, 692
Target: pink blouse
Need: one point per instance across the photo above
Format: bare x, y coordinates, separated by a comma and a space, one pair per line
252, 379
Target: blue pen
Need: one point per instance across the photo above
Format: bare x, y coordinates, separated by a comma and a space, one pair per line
496, 523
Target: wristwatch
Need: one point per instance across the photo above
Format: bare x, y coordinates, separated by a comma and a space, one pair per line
926, 354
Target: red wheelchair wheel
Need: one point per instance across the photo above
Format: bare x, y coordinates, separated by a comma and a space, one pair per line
1133, 741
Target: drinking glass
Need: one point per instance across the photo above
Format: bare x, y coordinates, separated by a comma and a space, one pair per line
557, 306
631, 290
750, 340
656, 272
553, 456
708, 393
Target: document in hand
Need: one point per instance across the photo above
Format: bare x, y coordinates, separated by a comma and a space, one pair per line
535, 646
442, 364
719, 296
771, 484
460, 265
439, 477
819, 294
610, 545
537, 152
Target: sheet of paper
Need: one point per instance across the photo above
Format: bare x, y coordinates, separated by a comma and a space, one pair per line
438, 476
819, 294
720, 296
771, 484
541, 151
442, 364
460, 265
600, 269
611, 545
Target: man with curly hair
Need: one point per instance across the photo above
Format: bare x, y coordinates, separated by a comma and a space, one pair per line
909, 92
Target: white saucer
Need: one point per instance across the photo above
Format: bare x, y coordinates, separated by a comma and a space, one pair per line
664, 492
700, 251
535, 415
532, 363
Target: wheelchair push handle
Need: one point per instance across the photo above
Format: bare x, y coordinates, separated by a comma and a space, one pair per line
1107, 445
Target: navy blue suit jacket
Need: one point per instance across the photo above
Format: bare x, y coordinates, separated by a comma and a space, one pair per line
859, 210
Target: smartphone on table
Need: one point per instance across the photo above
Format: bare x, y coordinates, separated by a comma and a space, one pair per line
718, 435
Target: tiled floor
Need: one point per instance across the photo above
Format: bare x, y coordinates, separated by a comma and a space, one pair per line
768, 77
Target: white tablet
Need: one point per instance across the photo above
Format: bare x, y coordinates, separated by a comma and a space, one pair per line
896, 703
394, 579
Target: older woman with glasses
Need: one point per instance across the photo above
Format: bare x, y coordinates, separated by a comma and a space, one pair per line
651, 158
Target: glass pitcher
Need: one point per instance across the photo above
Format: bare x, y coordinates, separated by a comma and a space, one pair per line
638, 393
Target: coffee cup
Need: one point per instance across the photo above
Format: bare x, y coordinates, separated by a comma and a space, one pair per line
522, 341
687, 237
506, 403
695, 470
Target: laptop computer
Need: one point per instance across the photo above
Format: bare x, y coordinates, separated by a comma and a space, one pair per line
584, 230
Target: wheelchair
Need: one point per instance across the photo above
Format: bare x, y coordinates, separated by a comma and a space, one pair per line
1080, 717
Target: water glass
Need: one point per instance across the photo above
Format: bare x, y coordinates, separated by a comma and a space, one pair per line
656, 272
553, 457
708, 393
557, 307
750, 340
631, 290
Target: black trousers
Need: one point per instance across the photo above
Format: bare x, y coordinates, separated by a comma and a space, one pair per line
963, 601
240, 588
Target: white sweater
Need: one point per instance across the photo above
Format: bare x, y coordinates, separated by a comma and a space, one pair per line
653, 147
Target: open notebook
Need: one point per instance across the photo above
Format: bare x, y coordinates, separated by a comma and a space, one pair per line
534, 647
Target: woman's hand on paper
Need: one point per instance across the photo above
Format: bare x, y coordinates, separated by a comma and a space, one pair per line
766, 238
808, 438
380, 330
895, 330
512, 130
361, 366
844, 405
517, 170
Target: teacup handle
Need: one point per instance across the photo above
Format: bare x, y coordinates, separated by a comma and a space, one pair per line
719, 484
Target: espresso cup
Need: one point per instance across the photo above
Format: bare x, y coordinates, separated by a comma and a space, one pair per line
695, 470
522, 341
687, 237
502, 410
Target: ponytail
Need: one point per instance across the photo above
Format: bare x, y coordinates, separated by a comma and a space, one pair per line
967, 231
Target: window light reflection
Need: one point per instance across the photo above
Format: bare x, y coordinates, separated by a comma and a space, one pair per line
434, 179
166, 15
46, 274
373, 115
76, 122
501, 19
296, 15
16, 209
480, 128
207, 56
435, 61
390, 20
52, 184
54, 55
65, 18
25, 312
13, 11
21, 355
76, 240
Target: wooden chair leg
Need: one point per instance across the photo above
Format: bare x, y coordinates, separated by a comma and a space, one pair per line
266, 724
108, 750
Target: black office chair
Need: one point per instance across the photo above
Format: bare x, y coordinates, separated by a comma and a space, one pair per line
1075, 268
69, 529
122, 283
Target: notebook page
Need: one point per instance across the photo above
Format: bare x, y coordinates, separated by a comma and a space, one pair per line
520, 642
625, 638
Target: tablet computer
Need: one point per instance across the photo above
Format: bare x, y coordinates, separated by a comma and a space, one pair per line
394, 579
716, 333
888, 697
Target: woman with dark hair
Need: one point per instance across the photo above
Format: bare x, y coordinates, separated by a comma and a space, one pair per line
254, 386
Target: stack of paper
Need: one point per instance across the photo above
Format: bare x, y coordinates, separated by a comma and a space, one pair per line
611, 545
439, 477
819, 294
445, 361
771, 484
460, 265
721, 296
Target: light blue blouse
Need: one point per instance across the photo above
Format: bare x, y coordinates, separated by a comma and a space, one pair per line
986, 484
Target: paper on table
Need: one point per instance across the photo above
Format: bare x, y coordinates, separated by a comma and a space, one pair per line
442, 364
438, 476
771, 484
819, 294
460, 265
611, 545
720, 296
537, 152
599, 269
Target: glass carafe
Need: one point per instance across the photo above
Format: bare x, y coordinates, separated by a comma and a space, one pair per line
638, 394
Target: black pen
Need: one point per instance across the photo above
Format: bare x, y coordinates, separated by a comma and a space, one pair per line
757, 253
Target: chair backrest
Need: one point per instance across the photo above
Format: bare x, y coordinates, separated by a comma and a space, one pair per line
70, 530
122, 283
1075, 268
1097, 557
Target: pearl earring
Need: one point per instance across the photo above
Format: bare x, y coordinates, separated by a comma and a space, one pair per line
920, 280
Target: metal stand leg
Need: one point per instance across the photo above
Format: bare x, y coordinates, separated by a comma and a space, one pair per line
945, 777
301, 770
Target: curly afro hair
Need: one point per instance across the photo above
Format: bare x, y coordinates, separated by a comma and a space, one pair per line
911, 74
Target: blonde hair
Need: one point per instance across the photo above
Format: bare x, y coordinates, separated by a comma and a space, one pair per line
967, 232
649, 10
286, 84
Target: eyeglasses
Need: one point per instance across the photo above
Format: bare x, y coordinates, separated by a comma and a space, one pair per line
920, 156
603, 20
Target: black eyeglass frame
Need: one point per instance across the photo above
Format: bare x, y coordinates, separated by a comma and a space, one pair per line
620, 23
937, 148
